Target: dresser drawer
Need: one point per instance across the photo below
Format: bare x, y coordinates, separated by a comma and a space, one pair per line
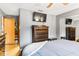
41, 36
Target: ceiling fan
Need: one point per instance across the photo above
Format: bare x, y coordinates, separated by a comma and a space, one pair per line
50, 4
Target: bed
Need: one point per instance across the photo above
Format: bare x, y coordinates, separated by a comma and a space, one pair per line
52, 48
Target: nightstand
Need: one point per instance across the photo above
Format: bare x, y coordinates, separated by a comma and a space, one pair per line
77, 40
63, 37
52, 39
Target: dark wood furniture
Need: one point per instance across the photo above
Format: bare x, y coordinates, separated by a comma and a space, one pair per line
78, 40
52, 39
2, 44
39, 33
63, 37
70, 33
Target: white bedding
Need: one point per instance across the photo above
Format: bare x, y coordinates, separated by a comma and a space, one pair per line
32, 48
52, 48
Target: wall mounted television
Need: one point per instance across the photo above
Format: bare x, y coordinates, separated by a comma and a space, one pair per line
39, 17
68, 21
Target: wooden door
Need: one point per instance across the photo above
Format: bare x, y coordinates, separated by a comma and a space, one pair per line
9, 29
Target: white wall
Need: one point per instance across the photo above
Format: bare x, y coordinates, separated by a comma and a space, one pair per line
26, 23
1, 14
62, 27
51, 22
0, 22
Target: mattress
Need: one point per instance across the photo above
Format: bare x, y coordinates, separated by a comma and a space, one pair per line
52, 48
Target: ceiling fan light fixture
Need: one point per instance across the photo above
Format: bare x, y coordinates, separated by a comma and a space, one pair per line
65, 3
49, 5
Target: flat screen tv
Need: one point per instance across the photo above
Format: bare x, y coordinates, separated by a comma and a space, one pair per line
68, 21
39, 17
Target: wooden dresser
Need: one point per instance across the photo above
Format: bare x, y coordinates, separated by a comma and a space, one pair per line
70, 33
39, 33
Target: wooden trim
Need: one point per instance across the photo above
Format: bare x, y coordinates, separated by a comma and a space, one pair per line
19, 28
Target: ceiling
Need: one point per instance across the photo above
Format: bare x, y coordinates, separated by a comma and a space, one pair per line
55, 9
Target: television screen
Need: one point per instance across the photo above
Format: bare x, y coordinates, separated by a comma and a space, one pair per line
68, 21
39, 17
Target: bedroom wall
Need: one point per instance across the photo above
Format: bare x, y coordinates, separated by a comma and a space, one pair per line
0, 21
1, 14
26, 23
60, 29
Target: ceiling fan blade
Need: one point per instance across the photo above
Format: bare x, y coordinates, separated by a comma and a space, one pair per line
49, 5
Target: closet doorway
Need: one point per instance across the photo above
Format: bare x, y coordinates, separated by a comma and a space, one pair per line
12, 37
11, 28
